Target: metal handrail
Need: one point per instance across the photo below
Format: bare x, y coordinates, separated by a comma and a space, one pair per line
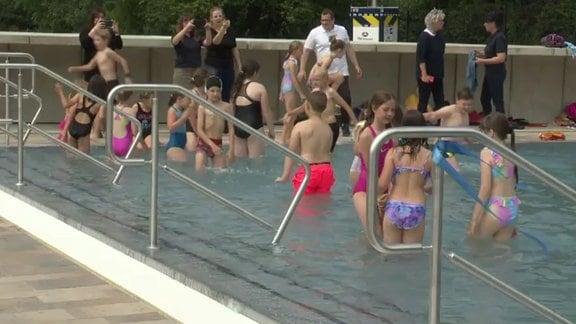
31, 95
208, 105
64, 81
8, 55
435, 283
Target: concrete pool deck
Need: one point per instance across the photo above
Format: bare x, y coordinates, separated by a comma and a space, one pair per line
39, 284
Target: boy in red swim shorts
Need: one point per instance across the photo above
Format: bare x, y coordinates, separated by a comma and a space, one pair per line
210, 129
312, 139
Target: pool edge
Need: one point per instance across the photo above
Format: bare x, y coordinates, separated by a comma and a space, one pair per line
173, 293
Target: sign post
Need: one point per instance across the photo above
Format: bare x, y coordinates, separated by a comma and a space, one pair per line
374, 24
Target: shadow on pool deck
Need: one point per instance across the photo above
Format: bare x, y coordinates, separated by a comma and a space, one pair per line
38, 284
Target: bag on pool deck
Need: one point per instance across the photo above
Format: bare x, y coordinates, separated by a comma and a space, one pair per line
552, 40
571, 111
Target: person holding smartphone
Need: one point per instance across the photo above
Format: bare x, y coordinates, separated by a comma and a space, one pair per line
188, 43
97, 22
222, 53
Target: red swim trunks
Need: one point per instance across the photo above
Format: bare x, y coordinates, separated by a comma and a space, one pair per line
321, 178
206, 147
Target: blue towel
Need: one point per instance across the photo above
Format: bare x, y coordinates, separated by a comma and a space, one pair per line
572, 49
471, 81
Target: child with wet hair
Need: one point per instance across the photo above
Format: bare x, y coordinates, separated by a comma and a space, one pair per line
407, 169
498, 179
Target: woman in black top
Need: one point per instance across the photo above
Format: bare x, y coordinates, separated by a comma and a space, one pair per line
98, 21
222, 53
188, 47
494, 59
430, 61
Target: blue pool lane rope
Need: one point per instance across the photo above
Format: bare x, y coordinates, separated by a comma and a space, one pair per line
439, 158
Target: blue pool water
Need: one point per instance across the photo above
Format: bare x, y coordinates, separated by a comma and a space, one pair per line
323, 271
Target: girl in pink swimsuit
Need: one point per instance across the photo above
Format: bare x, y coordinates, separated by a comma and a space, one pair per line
121, 127
381, 113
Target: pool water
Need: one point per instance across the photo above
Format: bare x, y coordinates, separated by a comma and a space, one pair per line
324, 271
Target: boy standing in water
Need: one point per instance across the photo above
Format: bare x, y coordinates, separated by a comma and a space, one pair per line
312, 139
455, 115
210, 129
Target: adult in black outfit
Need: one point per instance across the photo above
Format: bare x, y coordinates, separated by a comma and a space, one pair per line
493, 57
98, 21
430, 61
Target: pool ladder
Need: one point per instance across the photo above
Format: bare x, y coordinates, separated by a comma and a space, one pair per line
22, 93
438, 195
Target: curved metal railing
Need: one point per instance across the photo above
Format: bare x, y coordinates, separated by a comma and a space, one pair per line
154, 191
438, 181
66, 82
26, 94
7, 95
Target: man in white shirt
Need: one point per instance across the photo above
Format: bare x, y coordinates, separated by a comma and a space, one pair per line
318, 41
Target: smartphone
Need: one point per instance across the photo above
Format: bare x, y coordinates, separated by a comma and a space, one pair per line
199, 22
108, 22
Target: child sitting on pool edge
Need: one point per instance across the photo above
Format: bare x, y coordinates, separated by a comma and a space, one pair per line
210, 129
312, 139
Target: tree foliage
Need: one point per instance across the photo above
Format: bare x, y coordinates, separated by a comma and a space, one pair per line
526, 20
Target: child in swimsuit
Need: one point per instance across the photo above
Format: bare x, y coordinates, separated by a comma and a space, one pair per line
498, 178
337, 51
251, 105
404, 177
176, 118
105, 61
380, 115
290, 87
142, 110
67, 102
311, 139
454, 116
82, 115
210, 129
121, 126
198, 87
320, 82
355, 167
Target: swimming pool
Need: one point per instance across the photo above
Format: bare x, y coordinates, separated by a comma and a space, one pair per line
324, 271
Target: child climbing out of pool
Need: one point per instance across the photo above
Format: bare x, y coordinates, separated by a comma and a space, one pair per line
198, 87
312, 140
455, 115
121, 126
178, 113
498, 179
105, 61
290, 88
337, 51
67, 102
404, 178
83, 113
320, 82
142, 110
210, 129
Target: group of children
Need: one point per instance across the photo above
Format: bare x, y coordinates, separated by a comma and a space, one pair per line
404, 165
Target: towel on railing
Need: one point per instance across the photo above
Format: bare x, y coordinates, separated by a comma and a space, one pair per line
572, 48
471, 81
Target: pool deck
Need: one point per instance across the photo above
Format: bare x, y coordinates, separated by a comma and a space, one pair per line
529, 134
39, 285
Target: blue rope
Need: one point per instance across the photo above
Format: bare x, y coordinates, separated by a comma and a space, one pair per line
439, 158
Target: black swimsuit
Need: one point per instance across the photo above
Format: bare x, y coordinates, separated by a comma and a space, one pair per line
78, 130
145, 118
250, 114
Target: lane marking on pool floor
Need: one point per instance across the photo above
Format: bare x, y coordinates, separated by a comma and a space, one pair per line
168, 295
